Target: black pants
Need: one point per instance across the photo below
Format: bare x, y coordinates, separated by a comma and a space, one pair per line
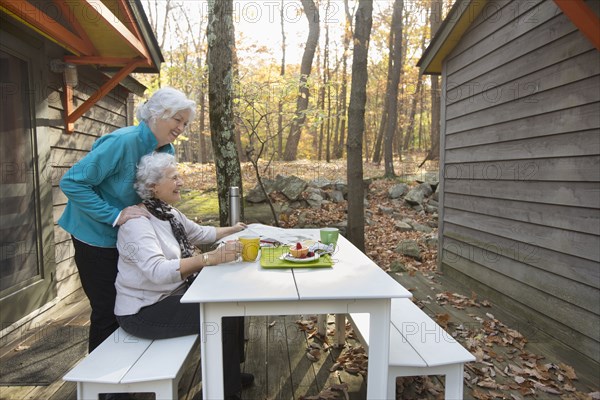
171, 318
97, 268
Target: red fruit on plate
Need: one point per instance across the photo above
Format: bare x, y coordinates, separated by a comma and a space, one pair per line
298, 246
310, 254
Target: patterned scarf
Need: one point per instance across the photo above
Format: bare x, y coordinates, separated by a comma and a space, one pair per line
163, 211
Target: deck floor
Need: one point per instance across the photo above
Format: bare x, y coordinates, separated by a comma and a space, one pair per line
276, 354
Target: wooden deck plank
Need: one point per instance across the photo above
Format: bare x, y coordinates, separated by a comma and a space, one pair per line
16, 392
189, 384
256, 357
28, 332
68, 313
66, 391
278, 362
332, 377
302, 373
323, 365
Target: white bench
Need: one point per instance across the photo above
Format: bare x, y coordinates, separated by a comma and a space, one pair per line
418, 346
127, 364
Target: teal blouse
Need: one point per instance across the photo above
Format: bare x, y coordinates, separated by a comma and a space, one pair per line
100, 185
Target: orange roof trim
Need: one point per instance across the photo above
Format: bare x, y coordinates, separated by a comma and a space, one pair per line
87, 28
583, 17
46, 25
106, 33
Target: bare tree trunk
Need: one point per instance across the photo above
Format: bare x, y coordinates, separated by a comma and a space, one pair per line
204, 154
421, 111
282, 74
204, 148
435, 20
385, 119
421, 114
256, 148
185, 145
312, 14
386, 106
356, 124
198, 151
220, 94
401, 108
236, 78
279, 129
413, 110
410, 129
339, 153
153, 20
326, 82
318, 139
392, 90
336, 128
374, 127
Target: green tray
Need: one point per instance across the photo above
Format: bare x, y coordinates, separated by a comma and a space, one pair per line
269, 258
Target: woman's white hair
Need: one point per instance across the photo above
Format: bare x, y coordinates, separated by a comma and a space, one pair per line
150, 171
165, 103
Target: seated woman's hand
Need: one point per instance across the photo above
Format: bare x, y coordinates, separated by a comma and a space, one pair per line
229, 251
230, 230
240, 226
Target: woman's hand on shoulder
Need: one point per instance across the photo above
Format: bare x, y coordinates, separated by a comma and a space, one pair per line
131, 212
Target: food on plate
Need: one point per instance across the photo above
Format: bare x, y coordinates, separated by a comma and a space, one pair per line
299, 250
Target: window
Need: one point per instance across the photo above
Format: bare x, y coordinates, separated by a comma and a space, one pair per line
19, 239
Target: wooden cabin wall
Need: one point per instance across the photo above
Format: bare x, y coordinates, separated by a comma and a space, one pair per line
56, 152
520, 216
109, 114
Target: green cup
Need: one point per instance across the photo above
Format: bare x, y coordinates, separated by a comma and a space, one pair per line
329, 235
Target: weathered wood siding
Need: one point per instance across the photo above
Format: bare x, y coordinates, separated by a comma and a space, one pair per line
108, 114
520, 215
56, 151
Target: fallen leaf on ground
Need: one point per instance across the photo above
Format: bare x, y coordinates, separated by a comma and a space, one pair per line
442, 320
569, 371
313, 355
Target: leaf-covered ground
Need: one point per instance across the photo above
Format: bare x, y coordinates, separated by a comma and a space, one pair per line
524, 375
380, 236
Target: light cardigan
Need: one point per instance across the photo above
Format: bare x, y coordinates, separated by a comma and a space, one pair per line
149, 258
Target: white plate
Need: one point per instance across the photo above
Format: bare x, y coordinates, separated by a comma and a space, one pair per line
289, 257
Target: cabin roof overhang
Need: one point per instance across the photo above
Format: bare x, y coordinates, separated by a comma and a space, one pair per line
110, 35
452, 29
106, 33
463, 13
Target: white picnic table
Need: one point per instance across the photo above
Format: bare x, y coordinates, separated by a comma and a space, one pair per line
354, 284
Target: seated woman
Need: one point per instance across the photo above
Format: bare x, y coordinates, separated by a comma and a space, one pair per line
156, 256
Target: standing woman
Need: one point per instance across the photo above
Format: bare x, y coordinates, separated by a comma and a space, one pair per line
101, 198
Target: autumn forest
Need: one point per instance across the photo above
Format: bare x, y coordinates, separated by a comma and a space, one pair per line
291, 92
